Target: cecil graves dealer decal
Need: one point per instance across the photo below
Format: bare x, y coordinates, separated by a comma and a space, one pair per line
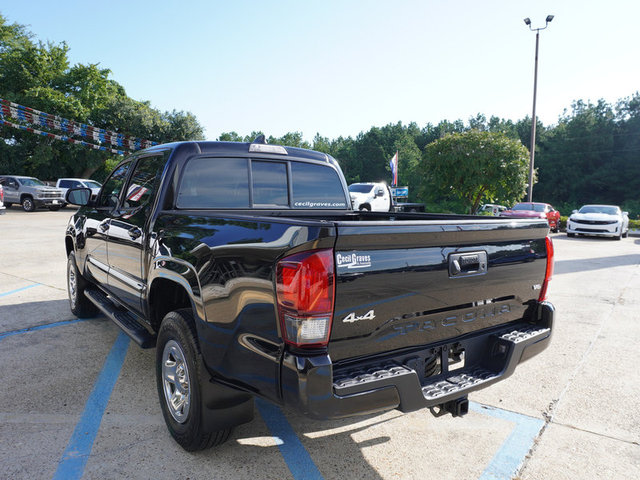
353, 260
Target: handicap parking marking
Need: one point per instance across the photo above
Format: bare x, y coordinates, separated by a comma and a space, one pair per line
506, 463
17, 290
71, 465
295, 455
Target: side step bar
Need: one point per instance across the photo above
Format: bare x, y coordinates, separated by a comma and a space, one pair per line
125, 320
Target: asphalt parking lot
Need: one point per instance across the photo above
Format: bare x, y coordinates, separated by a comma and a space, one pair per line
79, 400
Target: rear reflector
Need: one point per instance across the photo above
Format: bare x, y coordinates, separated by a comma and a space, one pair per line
548, 271
305, 286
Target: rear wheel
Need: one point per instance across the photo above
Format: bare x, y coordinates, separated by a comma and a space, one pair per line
80, 305
178, 370
365, 208
28, 204
571, 234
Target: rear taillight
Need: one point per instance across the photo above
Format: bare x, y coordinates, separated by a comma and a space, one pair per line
305, 286
1, 194
549, 270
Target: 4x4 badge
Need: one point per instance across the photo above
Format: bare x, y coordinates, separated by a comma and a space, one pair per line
351, 318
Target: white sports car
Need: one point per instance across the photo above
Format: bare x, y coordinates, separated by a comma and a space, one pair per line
601, 220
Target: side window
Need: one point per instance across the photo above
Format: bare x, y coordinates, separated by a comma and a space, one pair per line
269, 183
316, 186
113, 186
214, 183
144, 181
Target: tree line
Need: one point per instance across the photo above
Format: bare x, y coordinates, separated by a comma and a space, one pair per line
592, 155
39, 75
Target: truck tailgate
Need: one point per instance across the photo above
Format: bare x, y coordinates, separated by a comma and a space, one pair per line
413, 283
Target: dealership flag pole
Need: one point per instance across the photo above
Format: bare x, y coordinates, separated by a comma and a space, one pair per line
393, 164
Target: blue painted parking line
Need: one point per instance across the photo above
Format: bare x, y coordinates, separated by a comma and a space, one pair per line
295, 455
507, 461
11, 292
39, 327
71, 465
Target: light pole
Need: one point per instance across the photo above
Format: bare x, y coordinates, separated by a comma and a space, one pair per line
533, 115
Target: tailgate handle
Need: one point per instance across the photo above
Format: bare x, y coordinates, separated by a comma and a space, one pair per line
467, 264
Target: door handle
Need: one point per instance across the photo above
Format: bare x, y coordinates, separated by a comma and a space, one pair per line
134, 233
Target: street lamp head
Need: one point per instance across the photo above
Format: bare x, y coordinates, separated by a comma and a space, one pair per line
527, 21
549, 18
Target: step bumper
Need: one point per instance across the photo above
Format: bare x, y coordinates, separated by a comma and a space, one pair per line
312, 385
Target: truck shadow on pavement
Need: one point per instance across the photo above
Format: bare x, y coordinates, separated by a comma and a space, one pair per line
20, 316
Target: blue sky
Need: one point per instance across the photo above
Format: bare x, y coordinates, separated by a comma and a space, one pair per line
340, 67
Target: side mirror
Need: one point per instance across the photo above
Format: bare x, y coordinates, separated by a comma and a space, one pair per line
626, 214
78, 196
379, 193
574, 211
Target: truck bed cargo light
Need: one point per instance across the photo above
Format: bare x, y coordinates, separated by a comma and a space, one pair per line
262, 148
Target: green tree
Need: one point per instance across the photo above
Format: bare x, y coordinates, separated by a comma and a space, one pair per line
475, 167
38, 75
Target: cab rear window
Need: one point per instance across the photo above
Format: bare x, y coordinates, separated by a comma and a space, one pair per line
256, 183
215, 183
316, 186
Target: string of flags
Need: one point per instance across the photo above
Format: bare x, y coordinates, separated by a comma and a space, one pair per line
68, 128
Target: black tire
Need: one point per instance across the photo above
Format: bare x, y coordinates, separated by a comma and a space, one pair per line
571, 234
54, 209
178, 371
8, 204
28, 205
365, 208
80, 305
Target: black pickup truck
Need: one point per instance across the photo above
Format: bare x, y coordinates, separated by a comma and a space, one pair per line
244, 265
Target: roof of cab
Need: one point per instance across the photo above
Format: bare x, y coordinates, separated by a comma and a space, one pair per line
237, 148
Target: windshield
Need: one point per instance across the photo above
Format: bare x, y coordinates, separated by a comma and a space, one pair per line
31, 182
529, 206
360, 188
607, 210
92, 184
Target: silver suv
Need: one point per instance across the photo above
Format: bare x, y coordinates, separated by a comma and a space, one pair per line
30, 192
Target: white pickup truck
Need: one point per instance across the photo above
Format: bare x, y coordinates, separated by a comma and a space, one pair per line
373, 197
65, 184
